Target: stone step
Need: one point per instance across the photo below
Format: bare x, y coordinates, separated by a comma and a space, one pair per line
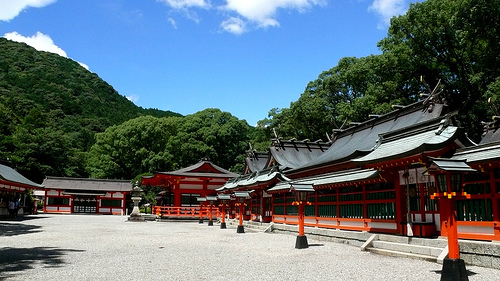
408, 248
435, 242
393, 253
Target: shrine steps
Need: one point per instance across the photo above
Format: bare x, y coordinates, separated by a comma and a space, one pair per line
433, 250
253, 225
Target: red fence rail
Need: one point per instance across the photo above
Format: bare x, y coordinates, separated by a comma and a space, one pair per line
185, 212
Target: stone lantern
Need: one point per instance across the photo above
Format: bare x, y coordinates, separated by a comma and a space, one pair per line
136, 197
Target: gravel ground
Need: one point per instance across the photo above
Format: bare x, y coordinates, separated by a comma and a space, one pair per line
97, 247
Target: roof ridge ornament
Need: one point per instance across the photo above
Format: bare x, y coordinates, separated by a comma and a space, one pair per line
433, 97
445, 122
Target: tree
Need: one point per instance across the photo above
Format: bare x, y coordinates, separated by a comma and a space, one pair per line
350, 91
455, 41
150, 144
137, 146
212, 134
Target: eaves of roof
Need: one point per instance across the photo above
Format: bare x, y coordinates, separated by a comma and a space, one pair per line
352, 175
479, 153
252, 180
10, 175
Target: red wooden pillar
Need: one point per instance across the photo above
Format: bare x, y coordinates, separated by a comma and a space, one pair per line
210, 221
301, 218
223, 222
241, 228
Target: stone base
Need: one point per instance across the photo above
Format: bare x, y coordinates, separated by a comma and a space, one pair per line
454, 270
301, 242
240, 229
223, 225
135, 218
210, 223
200, 221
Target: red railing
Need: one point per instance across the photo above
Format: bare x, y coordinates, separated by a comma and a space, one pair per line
185, 212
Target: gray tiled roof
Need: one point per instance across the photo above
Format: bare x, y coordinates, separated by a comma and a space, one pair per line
491, 135
450, 165
252, 180
291, 154
480, 153
360, 140
87, 184
330, 178
10, 175
194, 171
412, 141
257, 161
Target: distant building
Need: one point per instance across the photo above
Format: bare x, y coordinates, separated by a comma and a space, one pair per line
182, 187
81, 195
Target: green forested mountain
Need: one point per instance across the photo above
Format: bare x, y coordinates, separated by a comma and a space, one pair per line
50, 110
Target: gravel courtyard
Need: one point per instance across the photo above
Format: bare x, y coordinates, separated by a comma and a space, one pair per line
98, 247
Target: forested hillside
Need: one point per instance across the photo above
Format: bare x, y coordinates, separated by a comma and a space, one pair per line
51, 108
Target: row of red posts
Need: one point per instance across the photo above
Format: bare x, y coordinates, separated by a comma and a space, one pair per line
448, 174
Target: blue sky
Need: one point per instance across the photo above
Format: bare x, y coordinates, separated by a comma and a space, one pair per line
241, 56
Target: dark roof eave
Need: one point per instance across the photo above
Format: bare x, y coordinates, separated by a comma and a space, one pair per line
355, 154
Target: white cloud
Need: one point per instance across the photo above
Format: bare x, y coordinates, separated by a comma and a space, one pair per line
386, 9
133, 98
84, 65
38, 41
41, 42
234, 25
172, 22
11, 8
186, 4
263, 12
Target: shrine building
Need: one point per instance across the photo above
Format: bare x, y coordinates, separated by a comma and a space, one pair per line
182, 187
82, 195
13, 187
374, 176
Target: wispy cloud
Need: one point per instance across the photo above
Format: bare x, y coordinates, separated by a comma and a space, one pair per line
41, 42
386, 9
172, 22
263, 12
186, 4
243, 13
11, 8
234, 25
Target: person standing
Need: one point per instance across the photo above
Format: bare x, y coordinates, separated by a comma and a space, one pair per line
12, 208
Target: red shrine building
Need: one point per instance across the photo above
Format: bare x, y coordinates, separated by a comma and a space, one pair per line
374, 177
82, 195
13, 187
183, 187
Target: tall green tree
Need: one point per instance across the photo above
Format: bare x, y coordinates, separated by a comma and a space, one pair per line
137, 146
456, 41
213, 134
150, 144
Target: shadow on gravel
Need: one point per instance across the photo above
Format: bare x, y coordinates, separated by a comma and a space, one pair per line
316, 245
19, 259
13, 229
469, 273
23, 218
